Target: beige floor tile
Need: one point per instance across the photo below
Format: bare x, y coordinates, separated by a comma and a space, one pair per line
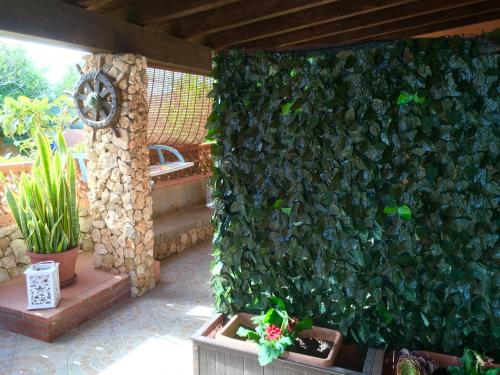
6, 361
40, 362
92, 359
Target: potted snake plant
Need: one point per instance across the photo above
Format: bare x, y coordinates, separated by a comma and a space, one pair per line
45, 208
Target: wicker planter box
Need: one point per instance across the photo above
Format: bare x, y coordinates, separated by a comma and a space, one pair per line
214, 357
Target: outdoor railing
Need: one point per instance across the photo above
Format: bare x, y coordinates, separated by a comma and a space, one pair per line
199, 154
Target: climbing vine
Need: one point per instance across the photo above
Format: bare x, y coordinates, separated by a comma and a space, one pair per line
362, 187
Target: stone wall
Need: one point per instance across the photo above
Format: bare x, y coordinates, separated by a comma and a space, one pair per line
118, 181
13, 257
167, 247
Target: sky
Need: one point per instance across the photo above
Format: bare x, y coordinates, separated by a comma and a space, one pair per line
47, 57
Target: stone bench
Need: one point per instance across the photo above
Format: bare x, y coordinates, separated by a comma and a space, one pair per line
180, 230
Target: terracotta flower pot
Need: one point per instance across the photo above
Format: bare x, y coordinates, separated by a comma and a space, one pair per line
228, 334
445, 360
66, 260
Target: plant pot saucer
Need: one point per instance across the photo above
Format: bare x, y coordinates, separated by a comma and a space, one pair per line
228, 333
68, 282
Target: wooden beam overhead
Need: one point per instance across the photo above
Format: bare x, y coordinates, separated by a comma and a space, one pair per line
358, 22
102, 6
147, 12
234, 15
99, 6
485, 11
56, 21
425, 29
298, 20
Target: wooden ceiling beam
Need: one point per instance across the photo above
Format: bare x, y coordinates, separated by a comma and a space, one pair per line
99, 6
103, 6
358, 22
148, 12
235, 15
69, 25
297, 20
419, 30
485, 11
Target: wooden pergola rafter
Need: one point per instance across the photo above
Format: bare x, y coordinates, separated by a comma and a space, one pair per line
180, 35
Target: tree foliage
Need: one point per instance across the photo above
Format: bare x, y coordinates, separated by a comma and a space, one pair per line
21, 119
19, 76
362, 187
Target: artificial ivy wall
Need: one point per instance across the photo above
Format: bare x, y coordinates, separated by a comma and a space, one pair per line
362, 187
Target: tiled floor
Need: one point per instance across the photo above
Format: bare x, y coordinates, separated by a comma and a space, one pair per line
147, 335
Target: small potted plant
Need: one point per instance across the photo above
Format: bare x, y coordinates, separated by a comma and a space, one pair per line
275, 334
473, 363
428, 363
415, 363
44, 206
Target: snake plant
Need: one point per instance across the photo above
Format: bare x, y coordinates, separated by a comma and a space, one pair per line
44, 204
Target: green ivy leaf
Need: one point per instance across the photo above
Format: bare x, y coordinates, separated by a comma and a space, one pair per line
285, 108
390, 210
404, 212
286, 210
404, 98
424, 319
418, 99
278, 203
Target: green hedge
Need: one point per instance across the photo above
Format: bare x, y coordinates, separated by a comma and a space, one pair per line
362, 186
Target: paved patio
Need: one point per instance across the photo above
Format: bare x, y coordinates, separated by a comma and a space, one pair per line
147, 335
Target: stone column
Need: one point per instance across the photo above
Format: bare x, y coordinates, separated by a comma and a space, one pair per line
119, 185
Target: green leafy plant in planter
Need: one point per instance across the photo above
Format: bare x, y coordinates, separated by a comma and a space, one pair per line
44, 205
275, 331
414, 363
473, 363
421, 363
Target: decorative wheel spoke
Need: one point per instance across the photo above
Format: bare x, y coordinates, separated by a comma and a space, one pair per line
106, 108
88, 88
97, 84
104, 92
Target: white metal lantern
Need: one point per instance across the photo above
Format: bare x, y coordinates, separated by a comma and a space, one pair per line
42, 282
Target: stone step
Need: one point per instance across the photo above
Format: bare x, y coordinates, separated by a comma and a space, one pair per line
180, 230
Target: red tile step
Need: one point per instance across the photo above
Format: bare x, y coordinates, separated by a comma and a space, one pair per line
93, 292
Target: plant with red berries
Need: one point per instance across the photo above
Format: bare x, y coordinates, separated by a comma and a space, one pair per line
274, 332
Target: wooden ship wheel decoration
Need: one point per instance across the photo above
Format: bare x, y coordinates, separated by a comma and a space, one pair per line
97, 101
